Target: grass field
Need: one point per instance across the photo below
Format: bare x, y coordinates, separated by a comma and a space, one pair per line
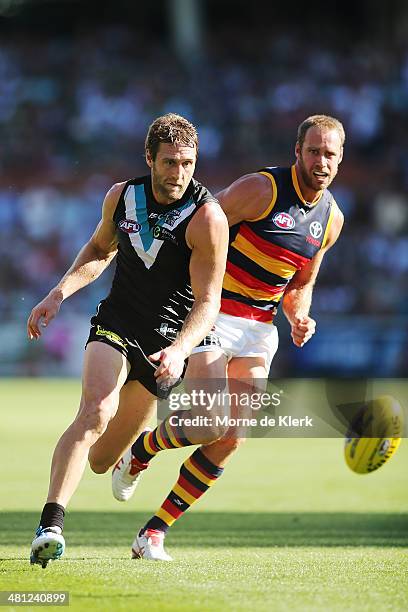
287, 527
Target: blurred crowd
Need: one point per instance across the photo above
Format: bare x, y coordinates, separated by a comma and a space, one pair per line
74, 111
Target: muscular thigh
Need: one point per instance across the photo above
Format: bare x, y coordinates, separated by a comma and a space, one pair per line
251, 369
206, 371
246, 376
104, 372
206, 364
137, 406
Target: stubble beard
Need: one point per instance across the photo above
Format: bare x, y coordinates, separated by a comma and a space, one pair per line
308, 180
162, 191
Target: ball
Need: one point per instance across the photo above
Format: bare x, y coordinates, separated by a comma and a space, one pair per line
378, 427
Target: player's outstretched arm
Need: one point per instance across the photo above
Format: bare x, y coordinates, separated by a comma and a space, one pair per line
90, 262
207, 236
298, 296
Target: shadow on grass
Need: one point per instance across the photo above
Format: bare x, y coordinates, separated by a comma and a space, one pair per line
219, 529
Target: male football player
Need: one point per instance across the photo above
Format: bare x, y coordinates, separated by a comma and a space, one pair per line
171, 238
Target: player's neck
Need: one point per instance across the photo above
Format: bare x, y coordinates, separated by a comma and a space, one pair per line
305, 193
161, 198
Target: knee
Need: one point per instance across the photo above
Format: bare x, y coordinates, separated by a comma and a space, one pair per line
97, 465
215, 433
205, 434
94, 415
223, 448
224, 436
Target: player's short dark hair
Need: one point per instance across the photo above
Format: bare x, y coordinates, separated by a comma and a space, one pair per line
321, 121
171, 129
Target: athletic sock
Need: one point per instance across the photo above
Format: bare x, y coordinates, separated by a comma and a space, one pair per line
52, 515
165, 436
197, 474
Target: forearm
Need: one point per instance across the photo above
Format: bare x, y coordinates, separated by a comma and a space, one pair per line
297, 302
197, 324
87, 267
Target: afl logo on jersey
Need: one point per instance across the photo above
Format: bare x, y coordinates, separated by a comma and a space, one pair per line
129, 226
284, 221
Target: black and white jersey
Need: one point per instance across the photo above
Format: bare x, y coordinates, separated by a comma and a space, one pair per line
151, 287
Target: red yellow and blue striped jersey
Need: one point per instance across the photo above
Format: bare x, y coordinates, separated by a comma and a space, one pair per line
265, 253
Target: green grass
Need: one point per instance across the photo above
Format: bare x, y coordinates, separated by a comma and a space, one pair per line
288, 526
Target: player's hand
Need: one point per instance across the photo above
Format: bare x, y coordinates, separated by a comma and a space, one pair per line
302, 330
42, 314
171, 365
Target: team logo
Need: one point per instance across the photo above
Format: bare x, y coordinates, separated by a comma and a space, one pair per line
284, 221
385, 445
172, 217
316, 229
129, 226
169, 218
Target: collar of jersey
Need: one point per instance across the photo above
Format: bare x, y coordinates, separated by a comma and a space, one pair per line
298, 191
184, 198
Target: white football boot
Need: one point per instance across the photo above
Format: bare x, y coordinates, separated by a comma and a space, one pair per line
48, 545
126, 475
150, 546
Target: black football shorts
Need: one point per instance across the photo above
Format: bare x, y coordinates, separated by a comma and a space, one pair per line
110, 331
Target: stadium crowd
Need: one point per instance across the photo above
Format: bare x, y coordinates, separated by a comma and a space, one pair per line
73, 113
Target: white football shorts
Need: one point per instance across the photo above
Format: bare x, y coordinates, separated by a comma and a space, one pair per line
240, 337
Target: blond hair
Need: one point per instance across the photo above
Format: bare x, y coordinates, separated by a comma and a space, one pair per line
321, 121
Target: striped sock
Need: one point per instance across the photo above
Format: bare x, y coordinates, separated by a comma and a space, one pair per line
197, 474
165, 436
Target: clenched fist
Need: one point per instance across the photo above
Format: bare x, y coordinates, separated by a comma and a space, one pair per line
302, 330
